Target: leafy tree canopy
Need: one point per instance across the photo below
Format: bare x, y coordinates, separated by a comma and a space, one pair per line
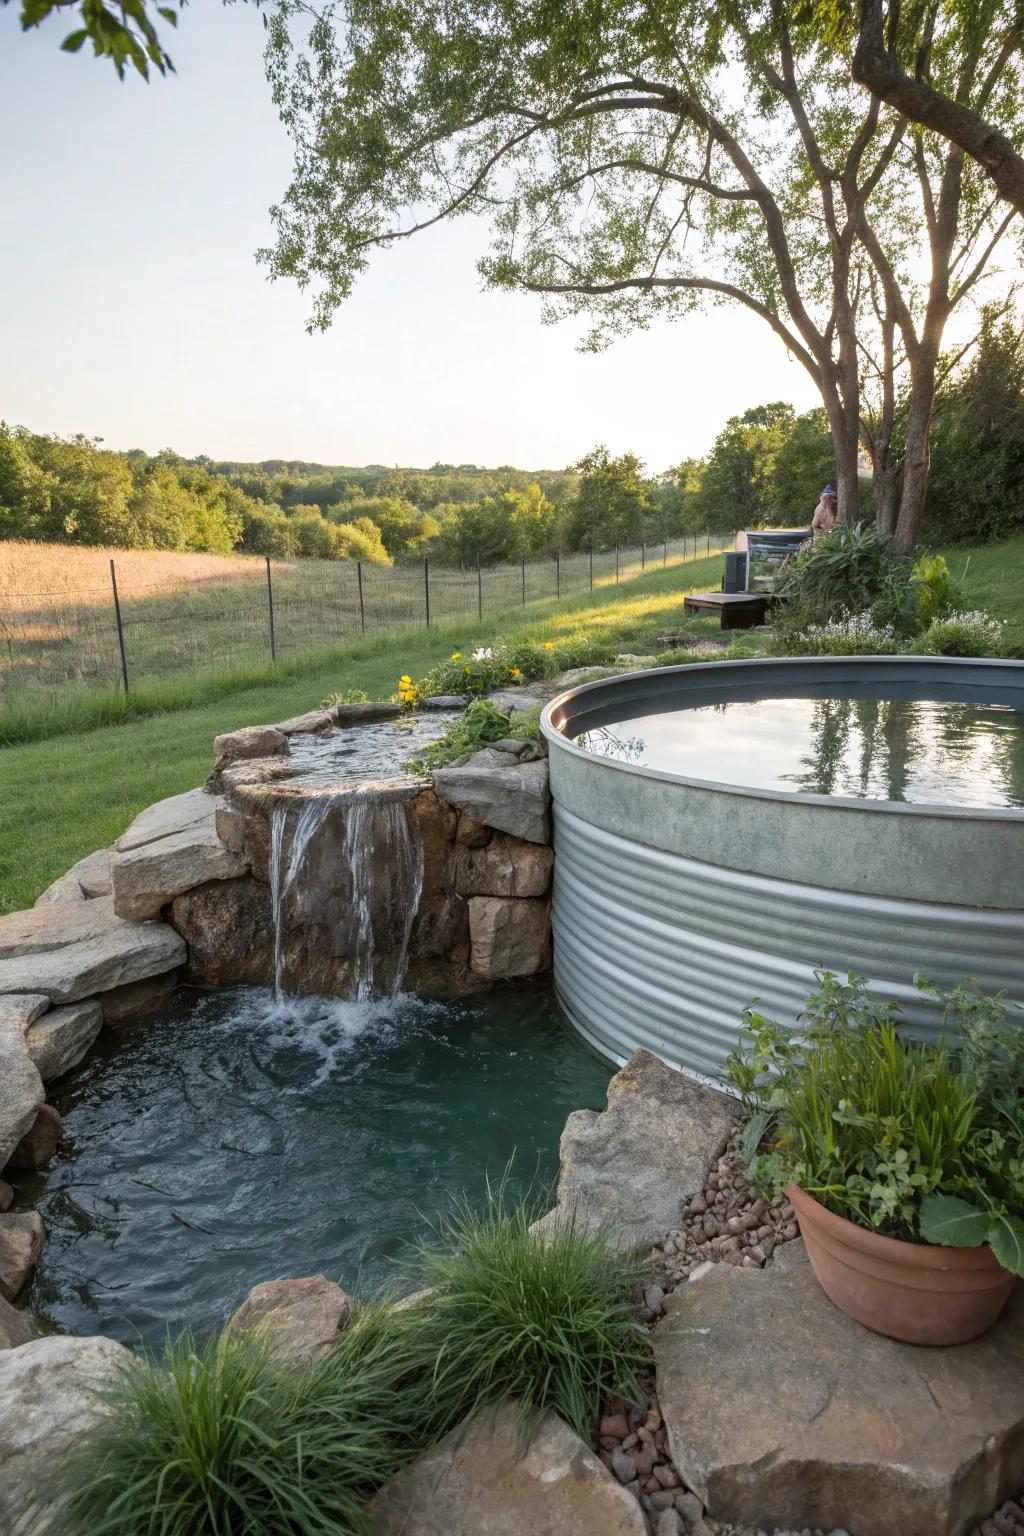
124, 32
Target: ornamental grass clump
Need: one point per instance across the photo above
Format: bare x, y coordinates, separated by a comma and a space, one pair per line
917, 1140
542, 1320
218, 1440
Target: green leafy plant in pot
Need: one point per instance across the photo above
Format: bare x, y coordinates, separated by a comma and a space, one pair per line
903, 1158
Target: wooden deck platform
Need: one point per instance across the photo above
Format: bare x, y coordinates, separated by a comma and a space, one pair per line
737, 610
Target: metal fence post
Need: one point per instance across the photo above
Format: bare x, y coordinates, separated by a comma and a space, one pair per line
362, 609
270, 610
709, 541
558, 573
479, 590
524, 581
591, 567
120, 627
616, 565
664, 553
426, 588
643, 555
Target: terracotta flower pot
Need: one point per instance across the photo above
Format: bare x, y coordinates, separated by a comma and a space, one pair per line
917, 1292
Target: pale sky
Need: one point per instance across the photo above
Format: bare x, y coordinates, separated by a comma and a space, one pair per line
132, 308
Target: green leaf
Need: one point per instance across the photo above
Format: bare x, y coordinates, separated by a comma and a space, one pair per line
74, 40
1007, 1242
953, 1222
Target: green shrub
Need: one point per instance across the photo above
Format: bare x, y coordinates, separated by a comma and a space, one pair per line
218, 1441
511, 661
913, 1139
479, 725
513, 1315
964, 634
935, 591
845, 572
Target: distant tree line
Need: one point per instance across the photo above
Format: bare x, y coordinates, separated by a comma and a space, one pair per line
766, 468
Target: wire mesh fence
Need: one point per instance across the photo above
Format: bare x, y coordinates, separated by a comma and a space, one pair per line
140, 620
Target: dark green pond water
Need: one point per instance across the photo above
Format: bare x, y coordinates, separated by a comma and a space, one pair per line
924, 751
232, 1141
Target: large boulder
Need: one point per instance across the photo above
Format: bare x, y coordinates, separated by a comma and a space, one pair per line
167, 817
783, 1411
16, 1327
250, 741
138, 1000
52, 1392
39, 1143
628, 1167
84, 881
368, 710
491, 1478
315, 722
498, 790
58, 1041
22, 1235
70, 951
146, 878
504, 866
299, 1319
21, 1087
508, 936
229, 930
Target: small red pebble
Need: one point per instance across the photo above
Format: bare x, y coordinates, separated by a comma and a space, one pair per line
644, 1462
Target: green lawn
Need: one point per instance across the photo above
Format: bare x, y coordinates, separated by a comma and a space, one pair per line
62, 797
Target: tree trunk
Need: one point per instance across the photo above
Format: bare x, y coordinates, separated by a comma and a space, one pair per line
846, 446
917, 458
884, 477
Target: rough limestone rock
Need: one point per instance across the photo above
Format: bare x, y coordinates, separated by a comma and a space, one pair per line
781, 1410
486, 1479
629, 1166
39, 1143
58, 1041
503, 867
146, 878
51, 1394
21, 1089
229, 929
89, 878
446, 701
166, 817
70, 951
362, 714
315, 722
300, 1319
138, 1000
22, 1235
20, 1010
510, 796
16, 1327
250, 741
6, 1195
509, 937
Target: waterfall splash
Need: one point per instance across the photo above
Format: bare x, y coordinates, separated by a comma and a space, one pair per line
379, 832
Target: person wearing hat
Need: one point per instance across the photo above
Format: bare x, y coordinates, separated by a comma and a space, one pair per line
825, 513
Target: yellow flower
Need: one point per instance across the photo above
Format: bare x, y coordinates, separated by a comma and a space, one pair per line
548, 645
514, 672
456, 655
404, 680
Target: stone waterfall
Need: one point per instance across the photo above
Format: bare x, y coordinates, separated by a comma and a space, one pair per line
381, 852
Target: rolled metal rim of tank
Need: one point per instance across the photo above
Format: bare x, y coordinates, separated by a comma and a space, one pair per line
568, 710
677, 900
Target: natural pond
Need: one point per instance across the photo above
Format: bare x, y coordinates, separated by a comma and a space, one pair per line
233, 1140
922, 751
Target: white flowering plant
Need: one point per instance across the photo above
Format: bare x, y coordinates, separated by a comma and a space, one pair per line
973, 633
850, 634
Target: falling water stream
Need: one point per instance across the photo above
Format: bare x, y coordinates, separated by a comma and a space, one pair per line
379, 831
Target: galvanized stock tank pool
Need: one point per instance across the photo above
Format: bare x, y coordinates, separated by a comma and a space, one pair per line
723, 830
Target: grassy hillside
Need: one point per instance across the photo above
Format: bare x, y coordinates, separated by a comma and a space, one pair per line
62, 798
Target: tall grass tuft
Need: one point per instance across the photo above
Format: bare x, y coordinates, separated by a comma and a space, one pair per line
544, 1320
218, 1440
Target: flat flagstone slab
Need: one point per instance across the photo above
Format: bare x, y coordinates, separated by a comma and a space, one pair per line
84, 881
166, 817
145, 878
500, 792
491, 1479
629, 1167
67, 952
782, 1411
